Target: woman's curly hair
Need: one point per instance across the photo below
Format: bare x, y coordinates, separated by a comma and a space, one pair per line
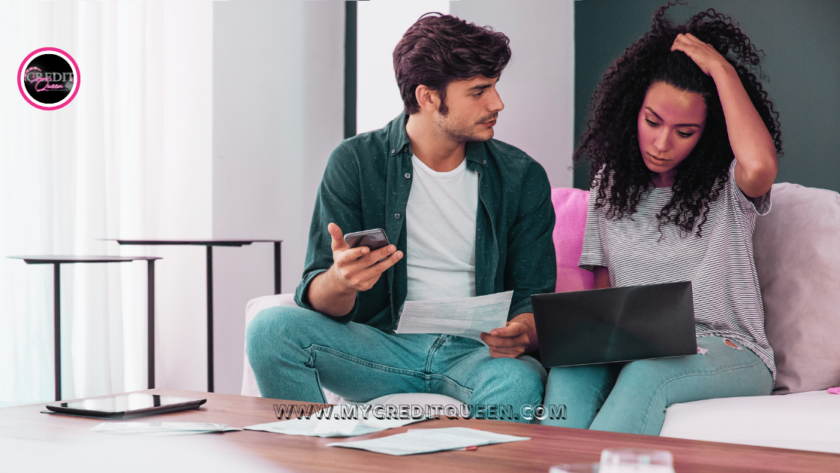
611, 140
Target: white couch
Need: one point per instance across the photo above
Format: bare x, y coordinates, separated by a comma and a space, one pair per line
797, 251
802, 421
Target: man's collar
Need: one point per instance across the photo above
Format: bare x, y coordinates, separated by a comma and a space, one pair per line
475, 150
398, 135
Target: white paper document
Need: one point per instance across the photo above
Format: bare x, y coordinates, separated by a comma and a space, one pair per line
331, 427
162, 428
429, 440
465, 317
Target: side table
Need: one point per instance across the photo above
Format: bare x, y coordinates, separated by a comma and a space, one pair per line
56, 261
210, 244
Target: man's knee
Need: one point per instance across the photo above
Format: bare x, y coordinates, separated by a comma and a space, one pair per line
271, 327
519, 377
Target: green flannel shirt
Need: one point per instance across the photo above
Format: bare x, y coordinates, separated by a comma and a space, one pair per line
366, 185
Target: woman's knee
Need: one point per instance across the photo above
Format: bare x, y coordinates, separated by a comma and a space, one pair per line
578, 393
644, 369
587, 381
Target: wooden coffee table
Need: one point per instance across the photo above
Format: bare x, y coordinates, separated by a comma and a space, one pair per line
24, 430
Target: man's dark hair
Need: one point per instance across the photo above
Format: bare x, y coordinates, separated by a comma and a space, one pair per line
611, 143
439, 49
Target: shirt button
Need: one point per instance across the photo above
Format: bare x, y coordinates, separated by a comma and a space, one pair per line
397, 216
407, 176
484, 162
393, 151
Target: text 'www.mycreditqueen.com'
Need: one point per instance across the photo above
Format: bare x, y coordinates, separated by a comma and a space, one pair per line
416, 411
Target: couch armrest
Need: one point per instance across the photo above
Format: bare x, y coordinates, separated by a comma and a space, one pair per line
254, 306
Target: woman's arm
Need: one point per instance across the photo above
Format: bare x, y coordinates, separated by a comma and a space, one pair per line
602, 277
751, 142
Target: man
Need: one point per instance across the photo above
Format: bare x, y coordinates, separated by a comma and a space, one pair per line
467, 216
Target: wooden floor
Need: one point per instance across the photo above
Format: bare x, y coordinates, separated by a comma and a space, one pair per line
31, 441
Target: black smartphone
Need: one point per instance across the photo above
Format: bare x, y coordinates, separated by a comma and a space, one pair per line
373, 239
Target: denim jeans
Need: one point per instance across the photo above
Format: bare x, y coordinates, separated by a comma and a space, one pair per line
294, 352
632, 397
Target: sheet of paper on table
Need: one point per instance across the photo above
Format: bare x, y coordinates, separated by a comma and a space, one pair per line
465, 317
332, 426
161, 428
429, 440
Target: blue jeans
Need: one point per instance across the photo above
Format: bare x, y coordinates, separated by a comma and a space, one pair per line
632, 397
294, 352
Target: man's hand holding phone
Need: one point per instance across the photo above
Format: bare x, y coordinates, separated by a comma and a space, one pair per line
358, 269
333, 292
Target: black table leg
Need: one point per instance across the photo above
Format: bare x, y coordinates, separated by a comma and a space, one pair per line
278, 278
57, 329
209, 318
151, 327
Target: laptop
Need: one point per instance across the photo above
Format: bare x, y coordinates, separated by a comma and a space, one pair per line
615, 324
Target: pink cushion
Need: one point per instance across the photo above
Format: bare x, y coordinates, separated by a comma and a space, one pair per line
797, 256
570, 206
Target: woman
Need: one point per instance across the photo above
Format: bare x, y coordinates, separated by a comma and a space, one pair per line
683, 144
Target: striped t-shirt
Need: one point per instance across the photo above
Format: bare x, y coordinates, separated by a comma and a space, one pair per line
720, 265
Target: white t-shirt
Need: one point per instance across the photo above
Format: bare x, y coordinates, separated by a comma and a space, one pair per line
440, 239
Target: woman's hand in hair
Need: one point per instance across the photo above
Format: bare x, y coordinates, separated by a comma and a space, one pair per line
706, 57
752, 145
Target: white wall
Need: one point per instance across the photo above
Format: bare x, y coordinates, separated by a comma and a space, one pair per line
130, 157
278, 95
537, 86
184, 195
381, 25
